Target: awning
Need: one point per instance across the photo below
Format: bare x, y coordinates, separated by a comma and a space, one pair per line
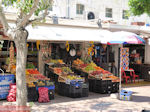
53, 33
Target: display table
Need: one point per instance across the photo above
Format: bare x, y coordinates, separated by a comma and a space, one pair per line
68, 83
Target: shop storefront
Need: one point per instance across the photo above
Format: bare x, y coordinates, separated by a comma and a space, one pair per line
77, 60
61, 59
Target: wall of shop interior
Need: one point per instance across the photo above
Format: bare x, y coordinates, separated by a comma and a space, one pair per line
147, 54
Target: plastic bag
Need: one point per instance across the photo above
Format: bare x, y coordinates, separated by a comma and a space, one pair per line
12, 93
43, 95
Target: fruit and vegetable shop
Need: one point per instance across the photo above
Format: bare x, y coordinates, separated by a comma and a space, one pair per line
66, 68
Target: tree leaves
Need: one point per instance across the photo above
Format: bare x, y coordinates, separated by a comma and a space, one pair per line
139, 7
43, 4
26, 5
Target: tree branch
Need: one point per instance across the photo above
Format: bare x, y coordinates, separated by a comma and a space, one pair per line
3, 18
7, 30
39, 18
26, 18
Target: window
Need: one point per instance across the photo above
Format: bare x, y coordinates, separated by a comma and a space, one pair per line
79, 8
108, 12
51, 6
125, 14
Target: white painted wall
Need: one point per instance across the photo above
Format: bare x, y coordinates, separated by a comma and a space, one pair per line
60, 8
98, 8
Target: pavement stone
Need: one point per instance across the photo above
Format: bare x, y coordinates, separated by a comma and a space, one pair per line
96, 103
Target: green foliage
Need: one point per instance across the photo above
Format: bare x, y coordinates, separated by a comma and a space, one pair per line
26, 5
139, 7
30, 66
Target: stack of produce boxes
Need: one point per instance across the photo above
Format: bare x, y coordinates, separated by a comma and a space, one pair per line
69, 84
100, 80
34, 81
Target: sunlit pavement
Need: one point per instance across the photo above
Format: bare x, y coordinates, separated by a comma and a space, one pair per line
98, 103
95, 103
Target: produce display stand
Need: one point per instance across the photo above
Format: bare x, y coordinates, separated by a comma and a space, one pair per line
36, 80
100, 80
82, 73
67, 82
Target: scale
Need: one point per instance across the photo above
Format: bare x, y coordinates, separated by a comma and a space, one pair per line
72, 52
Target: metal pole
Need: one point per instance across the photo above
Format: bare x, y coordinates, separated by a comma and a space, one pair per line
120, 73
68, 8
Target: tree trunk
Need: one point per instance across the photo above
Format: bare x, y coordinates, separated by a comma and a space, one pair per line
21, 47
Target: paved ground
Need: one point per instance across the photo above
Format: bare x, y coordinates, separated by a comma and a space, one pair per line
97, 103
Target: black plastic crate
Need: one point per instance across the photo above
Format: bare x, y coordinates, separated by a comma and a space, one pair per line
100, 86
32, 94
91, 85
103, 90
115, 87
85, 89
85, 92
69, 90
51, 94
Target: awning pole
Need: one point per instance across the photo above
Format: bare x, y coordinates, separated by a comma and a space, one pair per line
120, 72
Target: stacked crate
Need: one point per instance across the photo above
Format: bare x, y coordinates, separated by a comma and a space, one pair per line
75, 90
5, 81
103, 86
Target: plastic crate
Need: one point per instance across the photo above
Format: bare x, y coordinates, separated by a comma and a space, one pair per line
51, 94
4, 90
52, 87
7, 79
4, 87
125, 95
100, 86
3, 95
115, 87
85, 89
69, 90
32, 94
